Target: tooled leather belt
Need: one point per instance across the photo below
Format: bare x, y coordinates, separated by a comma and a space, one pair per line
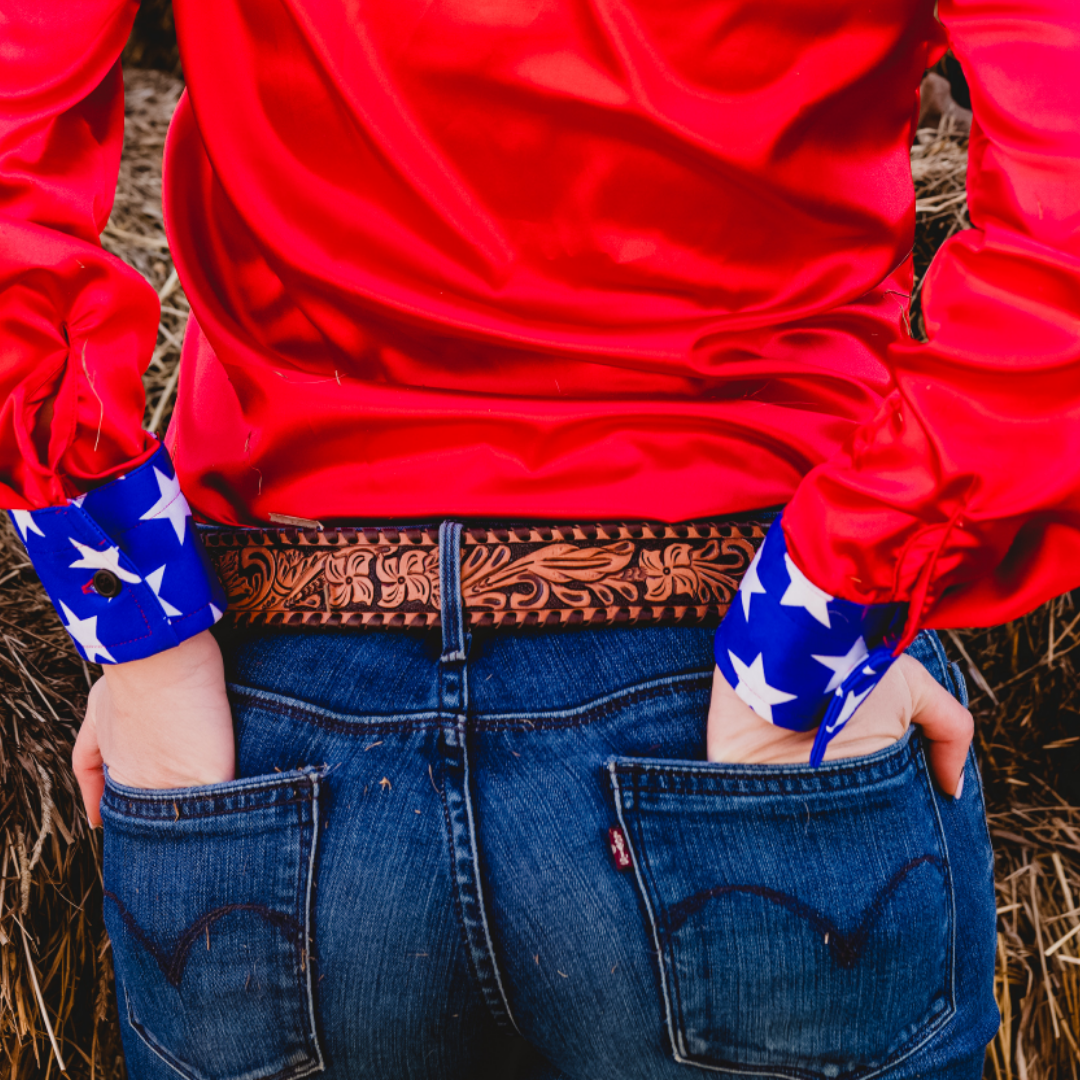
547, 577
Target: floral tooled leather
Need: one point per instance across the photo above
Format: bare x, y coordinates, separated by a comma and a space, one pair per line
552, 577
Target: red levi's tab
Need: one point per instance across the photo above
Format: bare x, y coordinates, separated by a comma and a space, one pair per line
620, 850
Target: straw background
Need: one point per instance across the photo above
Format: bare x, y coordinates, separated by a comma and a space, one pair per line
56, 1000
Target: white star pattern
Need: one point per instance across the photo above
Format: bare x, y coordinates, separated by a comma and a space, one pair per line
754, 690
802, 592
109, 559
84, 631
25, 523
154, 581
171, 505
843, 666
850, 705
751, 584
215, 612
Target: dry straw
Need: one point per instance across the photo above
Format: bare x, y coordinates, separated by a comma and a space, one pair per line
56, 1002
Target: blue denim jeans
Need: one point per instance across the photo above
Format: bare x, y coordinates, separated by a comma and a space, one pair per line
413, 877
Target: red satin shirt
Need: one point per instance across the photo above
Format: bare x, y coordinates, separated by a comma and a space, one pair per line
542, 259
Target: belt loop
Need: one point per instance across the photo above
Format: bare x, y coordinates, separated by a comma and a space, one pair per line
453, 622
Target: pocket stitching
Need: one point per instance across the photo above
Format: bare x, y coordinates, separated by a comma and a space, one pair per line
902, 1053
173, 964
147, 804
719, 777
311, 1035
845, 944
644, 894
290, 1072
312, 1050
327, 719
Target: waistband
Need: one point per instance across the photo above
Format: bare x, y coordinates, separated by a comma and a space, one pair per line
548, 577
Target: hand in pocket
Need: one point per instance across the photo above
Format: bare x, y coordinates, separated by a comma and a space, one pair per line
161, 722
908, 694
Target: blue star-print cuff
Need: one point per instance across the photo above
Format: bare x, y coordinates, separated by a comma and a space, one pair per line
124, 565
798, 656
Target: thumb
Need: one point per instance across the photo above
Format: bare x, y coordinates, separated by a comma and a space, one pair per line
87, 764
946, 726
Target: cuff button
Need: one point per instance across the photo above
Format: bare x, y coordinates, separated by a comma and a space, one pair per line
107, 584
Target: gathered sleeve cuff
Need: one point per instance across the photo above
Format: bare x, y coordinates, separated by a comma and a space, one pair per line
961, 497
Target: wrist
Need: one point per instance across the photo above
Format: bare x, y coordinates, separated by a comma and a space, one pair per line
164, 721
195, 661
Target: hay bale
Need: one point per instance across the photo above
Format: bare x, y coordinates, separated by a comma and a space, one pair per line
54, 969
136, 230
1026, 700
152, 43
939, 169
56, 1000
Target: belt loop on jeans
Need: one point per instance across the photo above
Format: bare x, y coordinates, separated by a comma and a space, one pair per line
452, 609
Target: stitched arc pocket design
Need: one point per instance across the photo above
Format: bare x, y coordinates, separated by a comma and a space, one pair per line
207, 903
803, 919
172, 963
846, 949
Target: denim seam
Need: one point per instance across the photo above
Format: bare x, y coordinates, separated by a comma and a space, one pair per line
688, 784
644, 894
345, 723
950, 1011
453, 672
452, 851
136, 810
981, 794
662, 937
683, 682
228, 789
942, 658
643, 783
960, 689
717, 779
687, 682
290, 1072
304, 905
482, 907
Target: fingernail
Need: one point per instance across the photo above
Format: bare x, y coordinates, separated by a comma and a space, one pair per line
959, 788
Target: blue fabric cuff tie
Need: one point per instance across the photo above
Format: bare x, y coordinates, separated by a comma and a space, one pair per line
797, 656
124, 565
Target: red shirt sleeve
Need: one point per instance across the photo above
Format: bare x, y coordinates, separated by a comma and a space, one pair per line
76, 324
962, 496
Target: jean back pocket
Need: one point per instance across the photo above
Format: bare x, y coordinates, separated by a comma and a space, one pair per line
803, 918
207, 904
